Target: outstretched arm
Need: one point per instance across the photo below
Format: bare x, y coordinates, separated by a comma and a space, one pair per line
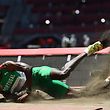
15, 66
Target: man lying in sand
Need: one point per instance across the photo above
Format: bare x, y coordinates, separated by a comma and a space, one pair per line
18, 79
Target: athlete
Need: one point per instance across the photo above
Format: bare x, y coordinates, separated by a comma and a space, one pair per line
19, 79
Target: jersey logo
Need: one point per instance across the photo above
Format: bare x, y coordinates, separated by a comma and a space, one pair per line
5, 73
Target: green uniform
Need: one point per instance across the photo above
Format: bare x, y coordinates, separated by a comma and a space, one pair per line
41, 79
12, 81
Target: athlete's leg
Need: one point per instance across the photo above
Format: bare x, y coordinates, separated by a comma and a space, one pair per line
41, 94
72, 93
68, 67
71, 65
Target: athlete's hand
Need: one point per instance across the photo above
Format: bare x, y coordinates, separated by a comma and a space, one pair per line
22, 98
2, 98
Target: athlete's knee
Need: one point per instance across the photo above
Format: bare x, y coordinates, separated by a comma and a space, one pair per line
58, 74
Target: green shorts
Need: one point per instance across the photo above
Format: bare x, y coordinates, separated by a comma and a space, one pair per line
42, 80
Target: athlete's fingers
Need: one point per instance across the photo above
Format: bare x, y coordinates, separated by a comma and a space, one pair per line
22, 98
21, 93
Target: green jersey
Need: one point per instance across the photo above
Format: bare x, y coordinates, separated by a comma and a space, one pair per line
12, 81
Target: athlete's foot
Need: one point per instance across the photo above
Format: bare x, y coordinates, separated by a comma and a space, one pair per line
91, 49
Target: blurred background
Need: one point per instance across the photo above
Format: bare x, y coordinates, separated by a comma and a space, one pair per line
52, 23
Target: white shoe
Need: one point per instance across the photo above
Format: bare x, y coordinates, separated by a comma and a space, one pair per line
91, 49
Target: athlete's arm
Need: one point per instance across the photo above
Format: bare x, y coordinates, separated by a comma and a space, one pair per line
15, 66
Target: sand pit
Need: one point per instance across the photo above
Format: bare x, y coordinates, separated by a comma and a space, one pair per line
90, 103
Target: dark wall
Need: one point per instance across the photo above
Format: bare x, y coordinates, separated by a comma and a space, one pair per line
79, 76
